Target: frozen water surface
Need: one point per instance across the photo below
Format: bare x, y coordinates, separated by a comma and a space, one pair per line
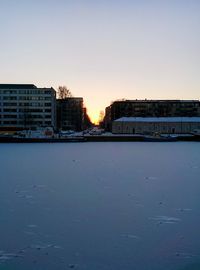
100, 206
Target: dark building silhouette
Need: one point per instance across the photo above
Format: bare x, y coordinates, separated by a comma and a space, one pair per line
151, 108
86, 120
70, 113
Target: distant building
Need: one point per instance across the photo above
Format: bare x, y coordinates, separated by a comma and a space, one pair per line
107, 119
70, 113
24, 106
151, 108
163, 125
86, 120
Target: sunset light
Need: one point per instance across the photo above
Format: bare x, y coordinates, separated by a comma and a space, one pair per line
94, 116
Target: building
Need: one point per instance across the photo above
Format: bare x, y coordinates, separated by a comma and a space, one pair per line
151, 108
70, 113
86, 120
107, 119
163, 125
24, 106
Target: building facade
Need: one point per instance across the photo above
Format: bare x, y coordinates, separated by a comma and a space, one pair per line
162, 125
86, 120
70, 113
151, 108
24, 106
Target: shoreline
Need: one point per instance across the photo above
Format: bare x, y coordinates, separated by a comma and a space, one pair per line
114, 138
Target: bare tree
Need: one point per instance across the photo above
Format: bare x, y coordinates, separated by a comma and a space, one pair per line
64, 92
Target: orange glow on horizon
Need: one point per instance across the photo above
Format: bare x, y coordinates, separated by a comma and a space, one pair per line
94, 117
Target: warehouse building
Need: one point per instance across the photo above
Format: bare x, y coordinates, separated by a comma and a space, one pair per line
162, 125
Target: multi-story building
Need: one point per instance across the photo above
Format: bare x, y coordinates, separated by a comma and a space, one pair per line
86, 120
24, 106
70, 113
151, 108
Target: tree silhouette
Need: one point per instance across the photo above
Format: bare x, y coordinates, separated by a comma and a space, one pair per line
64, 92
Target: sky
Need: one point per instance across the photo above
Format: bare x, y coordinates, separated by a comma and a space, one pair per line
103, 50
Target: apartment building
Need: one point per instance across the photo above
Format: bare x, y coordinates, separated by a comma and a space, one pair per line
70, 113
24, 106
151, 108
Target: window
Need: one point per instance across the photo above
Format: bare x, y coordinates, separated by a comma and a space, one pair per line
24, 104
9, 98
47, 110
10, 91
22, 92
48, 92
9, 122
10, 116
10, 110
9, 104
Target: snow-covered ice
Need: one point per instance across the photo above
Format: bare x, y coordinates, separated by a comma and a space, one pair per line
100, 206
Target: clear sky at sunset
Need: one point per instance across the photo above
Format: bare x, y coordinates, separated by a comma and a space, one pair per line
103, 50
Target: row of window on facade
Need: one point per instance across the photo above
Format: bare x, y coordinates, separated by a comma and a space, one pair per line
141, 128
26, 98
30, 104
27, 92
25, 115
26, 110
22, 123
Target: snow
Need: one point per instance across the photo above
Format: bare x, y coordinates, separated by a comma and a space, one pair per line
102, 206
159, 119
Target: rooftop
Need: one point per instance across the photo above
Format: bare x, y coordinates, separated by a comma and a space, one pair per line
17, 86
154, 100
159, 119
63, 100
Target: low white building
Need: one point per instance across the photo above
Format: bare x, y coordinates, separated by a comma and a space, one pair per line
163, 125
